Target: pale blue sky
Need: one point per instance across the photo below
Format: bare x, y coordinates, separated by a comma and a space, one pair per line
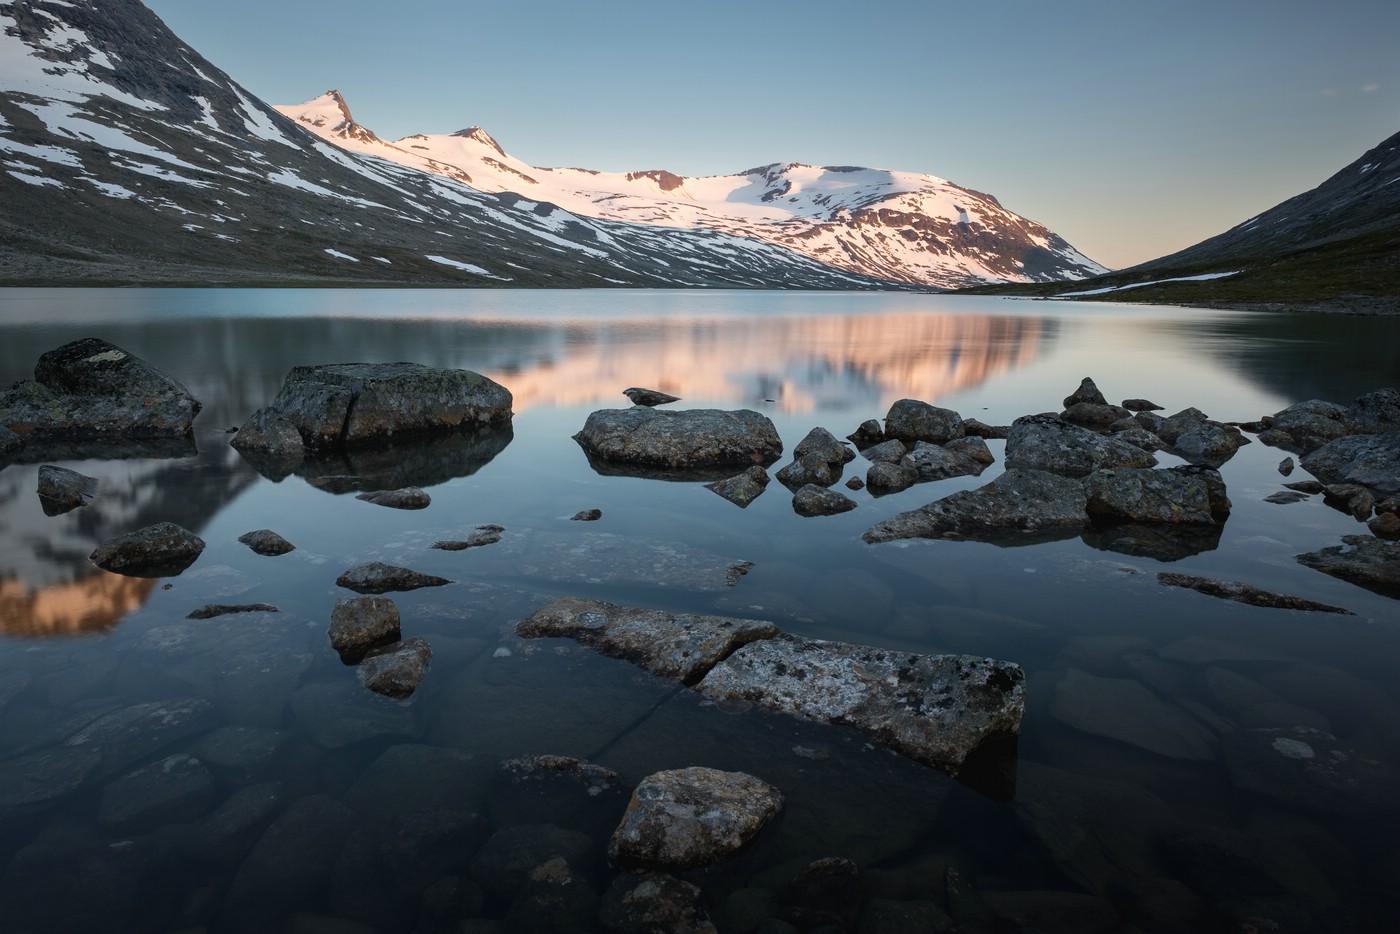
1131, 127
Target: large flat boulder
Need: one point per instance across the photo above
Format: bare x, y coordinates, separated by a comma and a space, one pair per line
1370, 460
935, 709
1019, 507
90, 390
680, 440
347, 404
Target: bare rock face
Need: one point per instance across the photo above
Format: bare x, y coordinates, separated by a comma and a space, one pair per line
686, 818
1049, 443
932, 708
673, 645
348, 404
90, 390
1019, 507
161, 550
683, 440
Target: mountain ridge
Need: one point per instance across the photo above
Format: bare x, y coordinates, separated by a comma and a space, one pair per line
903, 226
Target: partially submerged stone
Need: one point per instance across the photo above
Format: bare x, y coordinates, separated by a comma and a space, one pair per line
811, 468
62, 490
1362, 560
1018, 507
686, 818
910, 420
940, 462
359, 624
396, 670
743, 488
161, 550
813, 500
932, 708
682, 646
488, 534
1372, 461
266, 542
680, 440
1171, 496
1246, 593
90, 390
823, 443
407, 498
213, 610
1087, 394
378, 577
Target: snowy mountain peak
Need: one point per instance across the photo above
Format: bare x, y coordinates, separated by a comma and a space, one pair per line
330, 115
901, 226
477, 134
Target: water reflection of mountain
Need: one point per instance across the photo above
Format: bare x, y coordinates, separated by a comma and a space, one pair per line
1304, 356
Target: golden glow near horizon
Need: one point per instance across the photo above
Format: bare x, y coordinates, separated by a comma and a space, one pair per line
788, 360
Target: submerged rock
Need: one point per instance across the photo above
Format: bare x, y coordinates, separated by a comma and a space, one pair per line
481, 535
932, 708
1122, 709
213, 610
1313, 770
647, 902
686, 818
161, 550
682, 646
743, 488
1051, 444
1018, 507
90, 390
62, 490
176, 789
688, 439
1362, 560
377, 577
1245, 593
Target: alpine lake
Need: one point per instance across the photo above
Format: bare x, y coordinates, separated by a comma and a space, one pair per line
1157, 783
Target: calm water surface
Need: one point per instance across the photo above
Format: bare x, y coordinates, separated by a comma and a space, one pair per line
1136, 795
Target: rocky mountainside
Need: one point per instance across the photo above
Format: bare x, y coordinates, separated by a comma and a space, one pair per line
126, 157
894, 225
1336, 247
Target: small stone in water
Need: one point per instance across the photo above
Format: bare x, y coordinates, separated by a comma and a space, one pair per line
587, 515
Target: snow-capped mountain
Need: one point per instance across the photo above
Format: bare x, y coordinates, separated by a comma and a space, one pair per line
895, 225
126, 157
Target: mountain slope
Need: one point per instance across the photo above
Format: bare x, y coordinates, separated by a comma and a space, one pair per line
1336, 247
126, 157
895, 225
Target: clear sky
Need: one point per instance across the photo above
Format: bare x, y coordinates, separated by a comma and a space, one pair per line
1133, 128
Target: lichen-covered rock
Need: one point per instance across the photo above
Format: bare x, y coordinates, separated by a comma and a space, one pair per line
1018, 507
681, 440
1168, 495
1049, 443
682, 646
910, 420
1362, 560
62, 490
1095, 417
378, 577
1374, 413
268, 433
161, 550
1370, 460
886, 452
812, 500
686, 818
811, 468
90, 390
743, 488
396, 670
975, 428
932, 708
1310, 424
884, 477
359, 624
